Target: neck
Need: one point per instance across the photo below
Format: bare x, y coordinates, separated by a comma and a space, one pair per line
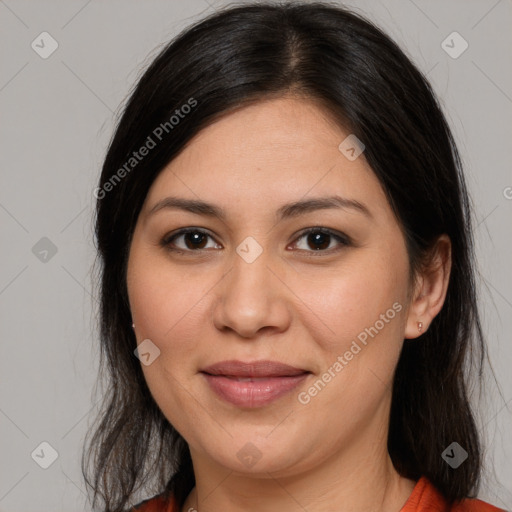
359, 477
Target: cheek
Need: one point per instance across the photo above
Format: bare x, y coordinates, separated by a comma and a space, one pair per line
169, 304
164, 299
364, 295
167, 309
358, 323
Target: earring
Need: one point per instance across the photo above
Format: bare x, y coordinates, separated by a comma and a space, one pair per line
133, 326
420, 326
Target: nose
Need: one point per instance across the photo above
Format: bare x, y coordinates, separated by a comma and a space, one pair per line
252, 299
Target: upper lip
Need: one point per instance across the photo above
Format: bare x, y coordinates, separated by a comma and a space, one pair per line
265, 368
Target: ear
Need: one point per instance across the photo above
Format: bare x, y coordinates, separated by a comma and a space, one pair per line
430, 288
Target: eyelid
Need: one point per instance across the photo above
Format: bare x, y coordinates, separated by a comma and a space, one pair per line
342, 239
167, 239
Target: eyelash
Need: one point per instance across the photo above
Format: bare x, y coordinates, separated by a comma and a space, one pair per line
343, 239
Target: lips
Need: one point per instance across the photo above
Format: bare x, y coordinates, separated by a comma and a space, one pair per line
253, 384
257, 369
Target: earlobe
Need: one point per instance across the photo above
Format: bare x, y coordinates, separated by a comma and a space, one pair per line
430, 290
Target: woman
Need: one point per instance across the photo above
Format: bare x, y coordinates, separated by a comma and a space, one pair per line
288, 296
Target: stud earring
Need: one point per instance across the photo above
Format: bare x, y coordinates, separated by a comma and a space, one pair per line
133, 326
420, 326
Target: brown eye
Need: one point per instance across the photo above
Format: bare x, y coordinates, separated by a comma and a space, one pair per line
321, 240
190, 239
195, 240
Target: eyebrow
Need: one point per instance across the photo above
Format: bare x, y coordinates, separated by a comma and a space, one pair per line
286, 211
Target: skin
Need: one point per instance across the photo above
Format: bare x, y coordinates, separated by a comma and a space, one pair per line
292, 304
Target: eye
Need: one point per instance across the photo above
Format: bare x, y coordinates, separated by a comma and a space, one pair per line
194, 239
320, 239
316, 240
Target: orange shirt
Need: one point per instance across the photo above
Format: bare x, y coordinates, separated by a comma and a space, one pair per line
424, 498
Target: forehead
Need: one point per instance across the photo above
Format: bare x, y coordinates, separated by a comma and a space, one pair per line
282, 128
265, 154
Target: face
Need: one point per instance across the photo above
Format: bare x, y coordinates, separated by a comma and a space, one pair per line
297, 259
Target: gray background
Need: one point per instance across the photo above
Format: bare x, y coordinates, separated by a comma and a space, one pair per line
57, 116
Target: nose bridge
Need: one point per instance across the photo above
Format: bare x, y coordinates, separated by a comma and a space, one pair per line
250, 297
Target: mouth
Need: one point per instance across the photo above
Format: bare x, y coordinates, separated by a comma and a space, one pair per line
255, 369
254, 384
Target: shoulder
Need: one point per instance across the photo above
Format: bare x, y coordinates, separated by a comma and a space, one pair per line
425, 497
155, 504
474, 505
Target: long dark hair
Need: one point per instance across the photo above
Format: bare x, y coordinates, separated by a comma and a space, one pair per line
243, 54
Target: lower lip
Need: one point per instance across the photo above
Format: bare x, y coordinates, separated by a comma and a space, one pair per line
255, 393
